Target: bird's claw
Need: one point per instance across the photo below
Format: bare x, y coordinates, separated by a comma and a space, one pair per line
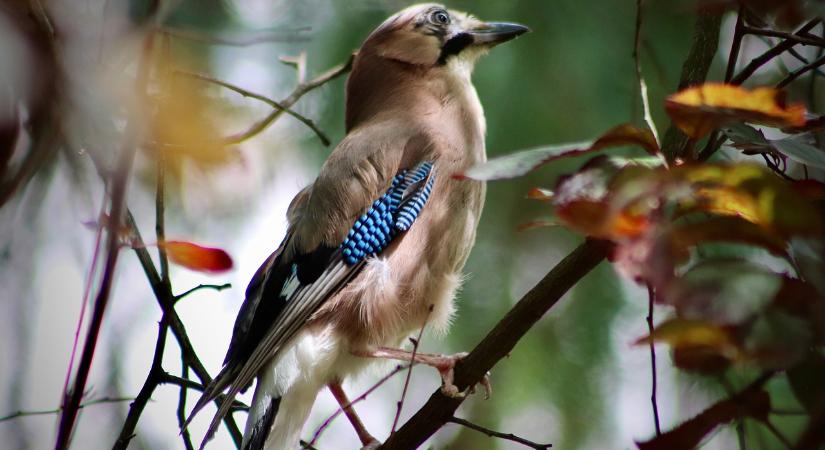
446, 367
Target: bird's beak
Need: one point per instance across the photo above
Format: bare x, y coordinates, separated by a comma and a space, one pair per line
494, 33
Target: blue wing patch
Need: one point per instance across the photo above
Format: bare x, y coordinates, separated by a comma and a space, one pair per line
393, 213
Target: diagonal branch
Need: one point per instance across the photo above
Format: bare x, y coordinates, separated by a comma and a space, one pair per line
440, 409
500, 435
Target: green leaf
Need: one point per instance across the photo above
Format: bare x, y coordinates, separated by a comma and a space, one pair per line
800, 151
520, 163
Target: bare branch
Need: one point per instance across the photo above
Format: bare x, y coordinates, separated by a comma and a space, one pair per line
639, 77
651, 296
45, 412
217, 287
496, 434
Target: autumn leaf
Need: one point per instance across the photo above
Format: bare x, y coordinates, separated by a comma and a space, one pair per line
682, 332
520, 163
700, 109
196, 257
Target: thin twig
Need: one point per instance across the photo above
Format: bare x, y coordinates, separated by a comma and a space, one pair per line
273, 103
290, 100
639, 77
416, 343
651, 297
119, 181
217, 287
361, 397
496, 434
45, 412
181, 413
796, 38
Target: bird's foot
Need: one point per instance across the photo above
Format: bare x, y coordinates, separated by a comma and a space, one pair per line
445, 364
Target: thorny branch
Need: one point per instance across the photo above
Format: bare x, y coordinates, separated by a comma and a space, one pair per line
651, 294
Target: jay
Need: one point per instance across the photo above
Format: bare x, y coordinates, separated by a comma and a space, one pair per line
376, 244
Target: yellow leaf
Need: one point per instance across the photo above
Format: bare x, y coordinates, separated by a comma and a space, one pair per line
699, 110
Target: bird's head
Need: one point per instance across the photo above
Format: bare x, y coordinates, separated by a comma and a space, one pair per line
429, 35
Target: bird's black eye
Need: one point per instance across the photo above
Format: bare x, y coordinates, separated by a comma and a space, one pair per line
440, 17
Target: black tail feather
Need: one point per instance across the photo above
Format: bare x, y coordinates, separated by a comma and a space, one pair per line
260, 431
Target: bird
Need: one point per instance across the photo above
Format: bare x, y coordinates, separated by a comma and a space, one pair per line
375, 246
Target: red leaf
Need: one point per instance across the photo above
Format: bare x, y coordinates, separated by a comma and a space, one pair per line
750, 403
196, 257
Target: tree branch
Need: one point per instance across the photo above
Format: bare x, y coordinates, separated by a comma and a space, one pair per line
694, 71
497, 434
440, 409
45, 412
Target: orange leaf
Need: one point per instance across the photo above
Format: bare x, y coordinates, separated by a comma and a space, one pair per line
699, 110
196, 257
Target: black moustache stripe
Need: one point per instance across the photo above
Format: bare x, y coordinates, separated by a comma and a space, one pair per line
454, 46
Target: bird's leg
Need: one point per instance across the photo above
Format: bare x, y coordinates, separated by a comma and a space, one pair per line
445, 364
366, 438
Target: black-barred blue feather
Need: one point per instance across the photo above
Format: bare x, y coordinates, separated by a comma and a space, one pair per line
391, 214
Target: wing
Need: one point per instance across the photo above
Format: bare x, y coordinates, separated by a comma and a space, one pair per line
356, 207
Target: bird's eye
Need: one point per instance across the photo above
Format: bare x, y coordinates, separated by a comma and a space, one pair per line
440, 17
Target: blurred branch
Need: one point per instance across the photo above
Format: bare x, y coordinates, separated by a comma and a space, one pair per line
499, 342
274, 104
506, 436
98, 401
243, 40
117, 184
639, 77
694, 71
217, 287
290, 100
